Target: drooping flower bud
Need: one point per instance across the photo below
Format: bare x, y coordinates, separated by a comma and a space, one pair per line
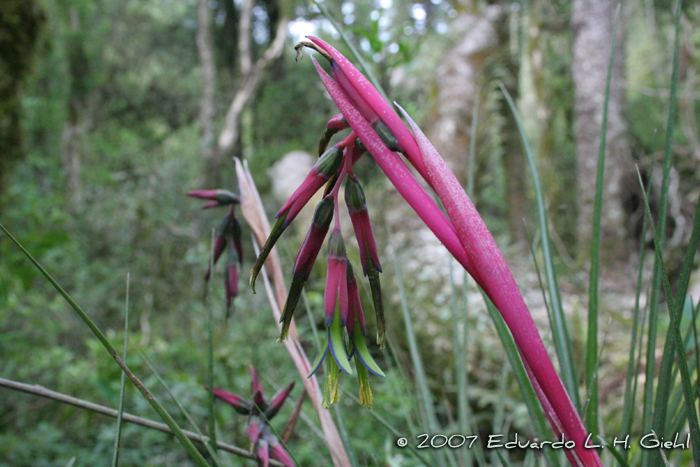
306, 258
355, 313
222, 236
217, 197
327, 165
277, 401
240, 405
277, 452
357, 208
322, 171
335, 124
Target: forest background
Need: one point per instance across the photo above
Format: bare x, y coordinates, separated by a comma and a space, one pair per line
110, 111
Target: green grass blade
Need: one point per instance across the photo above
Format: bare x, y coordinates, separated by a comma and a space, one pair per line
591, 414
120, 410
560, 333
662, 396
210, 353
390, 428
212, 451
419, 370
675, 314
528, 392
631, 379
167, 418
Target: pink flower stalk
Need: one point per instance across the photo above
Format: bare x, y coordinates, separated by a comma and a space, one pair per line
260, 411
464, 234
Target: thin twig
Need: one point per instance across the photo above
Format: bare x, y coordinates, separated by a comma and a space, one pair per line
127, 417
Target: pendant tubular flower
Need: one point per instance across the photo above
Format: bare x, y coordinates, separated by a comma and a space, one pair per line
306, 258
322, 171
217, 197
240, 405
262, 439
277, 452
359, 215
336, 280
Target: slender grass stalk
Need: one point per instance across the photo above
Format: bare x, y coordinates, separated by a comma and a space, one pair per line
127, 417
658, 421
419, 370
674, 312
344, 433
118, 435
530, 398
591, 414
560, 333
460, 368
209, 446
211, 406
633, 364
167, 418
390, 428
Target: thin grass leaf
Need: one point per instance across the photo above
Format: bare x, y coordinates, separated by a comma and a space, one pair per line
662, 396
120, 410
211, 406
591, 414
167, 418
183, 410
464, 413
340, 421
638, 321
560, 333
621, 459
419, 370
534, 408
675, 315
389, 428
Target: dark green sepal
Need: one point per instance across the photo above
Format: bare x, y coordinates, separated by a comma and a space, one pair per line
277, 230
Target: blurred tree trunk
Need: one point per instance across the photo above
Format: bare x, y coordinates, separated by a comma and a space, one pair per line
548, 66
206, 103
20, 22
482, 54
592, 22
251, 73
74, 128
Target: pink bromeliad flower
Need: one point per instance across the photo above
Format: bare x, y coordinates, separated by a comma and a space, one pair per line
342, 306
228, 239
260, 411
463, 232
